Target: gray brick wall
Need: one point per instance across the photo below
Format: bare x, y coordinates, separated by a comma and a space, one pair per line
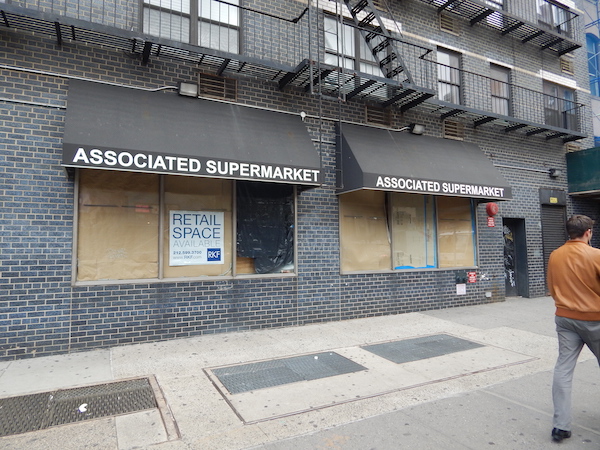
42, 313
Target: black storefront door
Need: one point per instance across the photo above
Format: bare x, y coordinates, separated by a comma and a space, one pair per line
553, 230
515, 258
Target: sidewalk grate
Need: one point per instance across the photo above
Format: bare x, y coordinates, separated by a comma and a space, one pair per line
39, 411
260, 375
421, 348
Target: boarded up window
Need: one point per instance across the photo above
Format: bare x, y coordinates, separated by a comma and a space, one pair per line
383, 231
118, 226
138, 226
456, 238
265, 227
365, 243
198, 194
413, 231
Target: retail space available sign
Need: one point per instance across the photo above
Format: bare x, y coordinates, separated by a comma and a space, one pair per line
196, 237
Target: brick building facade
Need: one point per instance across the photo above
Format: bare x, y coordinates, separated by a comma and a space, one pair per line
78, 274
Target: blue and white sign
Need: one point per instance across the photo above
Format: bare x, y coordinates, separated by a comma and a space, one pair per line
196, 237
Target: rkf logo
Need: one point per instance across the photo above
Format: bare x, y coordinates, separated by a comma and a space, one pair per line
213, 254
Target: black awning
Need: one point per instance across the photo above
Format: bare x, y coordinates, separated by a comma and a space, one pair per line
161, 132
373, 158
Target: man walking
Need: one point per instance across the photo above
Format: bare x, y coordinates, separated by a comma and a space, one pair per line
574, 283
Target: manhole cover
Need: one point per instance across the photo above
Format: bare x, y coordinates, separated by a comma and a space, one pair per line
260, 375
421, 348
38, 411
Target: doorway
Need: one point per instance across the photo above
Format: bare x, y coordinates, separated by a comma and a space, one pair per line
554, 233
516, 280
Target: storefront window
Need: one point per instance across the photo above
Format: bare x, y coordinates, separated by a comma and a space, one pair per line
145, 226
205, 195
412, 220
365, 243
455, 232
400, 231
265, 227
118, 226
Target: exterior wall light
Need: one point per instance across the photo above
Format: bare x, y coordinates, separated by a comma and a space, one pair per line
555, 173
187, 89
414, 128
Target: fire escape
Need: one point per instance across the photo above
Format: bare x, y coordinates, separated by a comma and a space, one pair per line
399, 61
478, 12
556, 40
396, 87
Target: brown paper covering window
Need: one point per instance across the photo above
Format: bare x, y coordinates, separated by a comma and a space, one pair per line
363, 231
455, 232
118, 226
413, 242
410, 241
198, 194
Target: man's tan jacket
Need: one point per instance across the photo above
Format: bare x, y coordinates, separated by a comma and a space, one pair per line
574, 280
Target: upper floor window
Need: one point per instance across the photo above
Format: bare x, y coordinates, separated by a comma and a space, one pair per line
496, 18
559, 106
349, 46
554, 17
498, 4
207, 23
593, 51
449, 89
500, 89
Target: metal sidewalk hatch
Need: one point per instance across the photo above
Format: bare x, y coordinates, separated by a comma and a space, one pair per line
421, 348
265, 374
39, 411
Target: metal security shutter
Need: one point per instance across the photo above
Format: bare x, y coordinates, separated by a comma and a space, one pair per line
553, 230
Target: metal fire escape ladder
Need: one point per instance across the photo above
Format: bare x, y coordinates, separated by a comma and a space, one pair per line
378, 39
393, 86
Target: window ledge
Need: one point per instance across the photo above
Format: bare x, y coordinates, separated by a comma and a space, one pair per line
190, 280
390, 271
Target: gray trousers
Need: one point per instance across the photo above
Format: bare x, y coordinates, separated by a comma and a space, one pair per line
572, 335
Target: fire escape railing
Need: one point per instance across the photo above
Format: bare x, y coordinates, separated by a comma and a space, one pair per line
484, 99
286, 62
547, 25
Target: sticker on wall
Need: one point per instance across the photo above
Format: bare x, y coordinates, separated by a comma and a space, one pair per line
196, 237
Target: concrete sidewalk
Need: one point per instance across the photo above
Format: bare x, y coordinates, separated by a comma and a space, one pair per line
494, 393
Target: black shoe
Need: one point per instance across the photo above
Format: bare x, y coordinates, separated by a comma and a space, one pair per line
558, 435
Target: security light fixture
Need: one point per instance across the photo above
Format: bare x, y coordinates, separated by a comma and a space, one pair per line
187, 89
414, 128
555, 173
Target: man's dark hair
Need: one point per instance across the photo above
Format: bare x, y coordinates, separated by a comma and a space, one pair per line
577, 225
